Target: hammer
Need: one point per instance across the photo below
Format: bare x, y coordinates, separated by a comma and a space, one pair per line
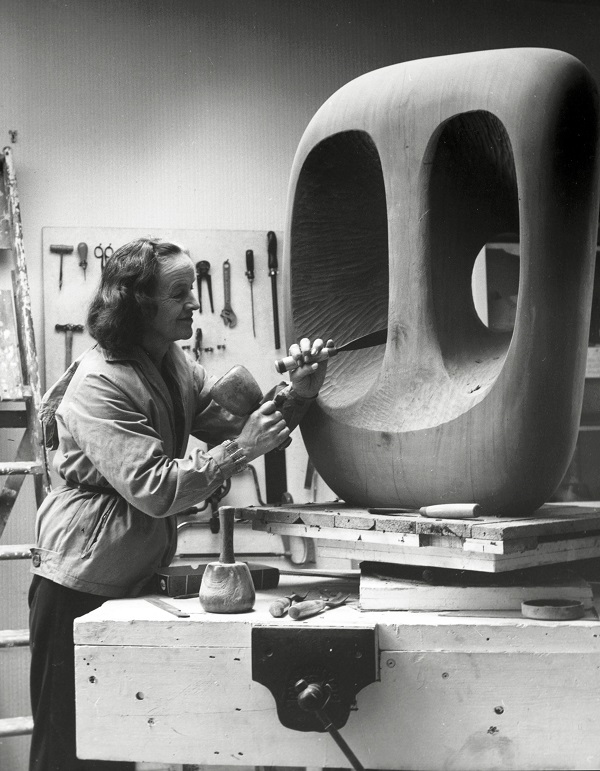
62, 250
68, 329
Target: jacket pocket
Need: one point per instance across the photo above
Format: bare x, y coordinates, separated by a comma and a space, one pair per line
88, 546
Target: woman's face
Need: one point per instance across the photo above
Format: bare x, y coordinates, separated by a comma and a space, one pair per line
175, 300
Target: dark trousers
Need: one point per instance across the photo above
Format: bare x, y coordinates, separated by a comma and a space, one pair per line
52, 610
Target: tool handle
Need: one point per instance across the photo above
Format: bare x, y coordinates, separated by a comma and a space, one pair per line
272, 250
227, 283
306, 609
82, 251
226, 514
451, 510
250, 264
279, 607
289, 363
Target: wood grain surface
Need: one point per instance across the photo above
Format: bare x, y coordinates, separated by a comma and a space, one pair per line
399, 181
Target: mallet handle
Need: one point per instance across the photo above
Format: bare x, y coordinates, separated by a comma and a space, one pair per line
226, 514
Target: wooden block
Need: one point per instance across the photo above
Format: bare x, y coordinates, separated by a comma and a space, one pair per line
397, 590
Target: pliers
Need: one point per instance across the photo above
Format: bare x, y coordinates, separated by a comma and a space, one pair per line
203, 273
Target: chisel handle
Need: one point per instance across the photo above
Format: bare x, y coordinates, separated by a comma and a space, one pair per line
279, 607
451, 510
306, 609
289, 363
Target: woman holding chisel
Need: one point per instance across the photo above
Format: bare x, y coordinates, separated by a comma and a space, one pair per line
120, 418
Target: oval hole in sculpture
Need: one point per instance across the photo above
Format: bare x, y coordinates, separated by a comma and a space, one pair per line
473, 198
339, 256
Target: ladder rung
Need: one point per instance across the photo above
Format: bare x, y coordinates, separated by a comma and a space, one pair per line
16, 726
21, 467
20, 551
20, 393
14, 638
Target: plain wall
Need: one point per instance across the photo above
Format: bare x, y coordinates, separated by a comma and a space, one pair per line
187, 114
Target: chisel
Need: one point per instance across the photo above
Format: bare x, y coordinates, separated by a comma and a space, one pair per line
379, 337
272, 251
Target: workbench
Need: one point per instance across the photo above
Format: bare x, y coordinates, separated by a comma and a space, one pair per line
454, 690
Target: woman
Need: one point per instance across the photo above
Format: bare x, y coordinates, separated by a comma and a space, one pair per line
120, 419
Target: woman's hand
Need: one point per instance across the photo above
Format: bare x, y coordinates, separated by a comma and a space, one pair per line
264, 430
308, 378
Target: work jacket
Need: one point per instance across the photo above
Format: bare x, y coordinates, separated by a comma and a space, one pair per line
121, 437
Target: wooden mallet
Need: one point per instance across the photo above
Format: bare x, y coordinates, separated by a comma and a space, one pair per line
227, 585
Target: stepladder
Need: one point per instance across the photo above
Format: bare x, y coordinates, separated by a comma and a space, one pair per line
23, 455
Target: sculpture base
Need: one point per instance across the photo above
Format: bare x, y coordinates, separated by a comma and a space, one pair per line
555, 533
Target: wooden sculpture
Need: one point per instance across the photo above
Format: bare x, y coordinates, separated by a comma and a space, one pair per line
399, 181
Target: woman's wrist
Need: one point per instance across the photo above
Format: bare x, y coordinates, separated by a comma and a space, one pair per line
293, 393
236, 454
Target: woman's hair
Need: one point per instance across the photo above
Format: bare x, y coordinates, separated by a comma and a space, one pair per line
124, 299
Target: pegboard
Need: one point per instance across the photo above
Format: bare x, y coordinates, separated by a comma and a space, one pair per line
230, 345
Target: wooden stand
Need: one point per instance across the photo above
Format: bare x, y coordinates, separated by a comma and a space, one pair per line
555, 533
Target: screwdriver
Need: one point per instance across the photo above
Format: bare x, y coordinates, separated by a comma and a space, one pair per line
250, 275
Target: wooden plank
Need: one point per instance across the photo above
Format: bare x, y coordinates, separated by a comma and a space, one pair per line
384, 592
548, 554
549, 520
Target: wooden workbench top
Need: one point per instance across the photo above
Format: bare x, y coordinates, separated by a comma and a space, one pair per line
138, 622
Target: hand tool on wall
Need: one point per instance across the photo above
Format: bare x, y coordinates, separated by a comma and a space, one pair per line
310, 608
82, 251
227, 585
272, 251
68, 329
198, 344
203, 274
103, 255
279, 607
379, 337
250, 276
61, 249
227, 314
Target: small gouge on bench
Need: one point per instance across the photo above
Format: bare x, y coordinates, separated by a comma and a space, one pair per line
309, 608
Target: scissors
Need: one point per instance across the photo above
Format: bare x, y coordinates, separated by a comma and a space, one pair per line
103, 254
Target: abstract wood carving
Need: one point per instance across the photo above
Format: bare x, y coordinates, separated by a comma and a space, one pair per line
399, 181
